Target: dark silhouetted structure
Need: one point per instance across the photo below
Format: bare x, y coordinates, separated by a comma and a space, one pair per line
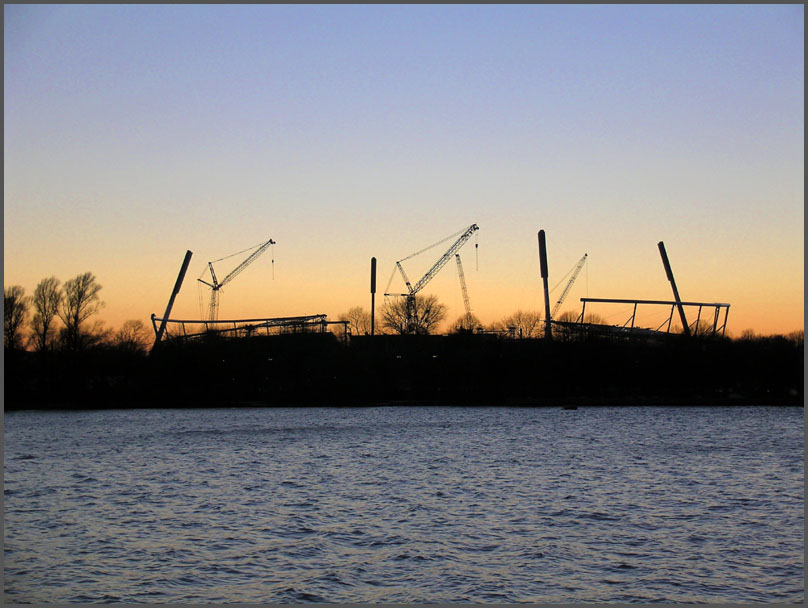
175, 291
669, 273
548, 330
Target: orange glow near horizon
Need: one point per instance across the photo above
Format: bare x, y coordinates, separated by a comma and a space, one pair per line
256, 295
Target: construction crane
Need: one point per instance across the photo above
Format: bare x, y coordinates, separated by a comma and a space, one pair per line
412, 290
564, 293
465, 291
215, 286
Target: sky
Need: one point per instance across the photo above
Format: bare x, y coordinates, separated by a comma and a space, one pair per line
136, 132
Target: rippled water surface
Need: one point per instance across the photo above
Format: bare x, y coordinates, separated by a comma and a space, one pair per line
405, 504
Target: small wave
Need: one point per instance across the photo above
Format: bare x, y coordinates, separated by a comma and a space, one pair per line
182, 581
609, 581
497, 597
721, 508
414, 558
303, 596
602, 516
83, 477
333, 577
378, 541
84, 599
291, 484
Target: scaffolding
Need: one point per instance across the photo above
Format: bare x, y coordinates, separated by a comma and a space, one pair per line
189, 329
629, 324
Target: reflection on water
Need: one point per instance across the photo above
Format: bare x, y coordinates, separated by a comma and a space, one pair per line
405, 505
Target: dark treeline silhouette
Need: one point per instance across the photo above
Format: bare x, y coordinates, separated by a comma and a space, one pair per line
461, 368
57, 318
54, 353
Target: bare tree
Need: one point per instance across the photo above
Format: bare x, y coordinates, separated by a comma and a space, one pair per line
132, 336
594, 318
467, 323
524, 324
359, 320
80, 302
46, 300
797, 337
428, 314
568, 316
96, 334
15, 312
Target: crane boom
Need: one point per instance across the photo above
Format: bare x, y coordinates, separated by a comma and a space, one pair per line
463, 287
250, 259
442, 261
574, 276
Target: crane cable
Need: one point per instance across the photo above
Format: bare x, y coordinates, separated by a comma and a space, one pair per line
237, 253
562, 278
392, 276
199, 292
434, 245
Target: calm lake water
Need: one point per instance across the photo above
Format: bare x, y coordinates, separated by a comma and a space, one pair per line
405, 504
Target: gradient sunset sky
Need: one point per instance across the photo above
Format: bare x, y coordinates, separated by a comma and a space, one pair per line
135, 132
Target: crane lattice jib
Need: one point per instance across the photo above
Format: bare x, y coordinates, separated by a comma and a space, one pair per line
568, 287
463, 286
442, 261
404, 274
246, 262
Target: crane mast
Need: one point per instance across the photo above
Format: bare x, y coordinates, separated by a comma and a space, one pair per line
465, 291
215, 286
412, 290
564, 293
